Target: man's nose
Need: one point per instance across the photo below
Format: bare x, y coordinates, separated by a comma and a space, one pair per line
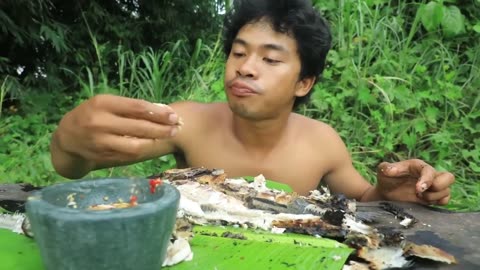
248, 68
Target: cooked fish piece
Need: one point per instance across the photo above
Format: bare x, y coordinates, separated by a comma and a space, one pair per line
202, 204
178, 251
428, 252
384, 258
12, 222
352, 265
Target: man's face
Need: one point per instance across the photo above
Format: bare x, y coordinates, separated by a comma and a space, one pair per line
262, 72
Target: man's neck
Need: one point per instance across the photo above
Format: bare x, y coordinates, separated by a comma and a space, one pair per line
260, 136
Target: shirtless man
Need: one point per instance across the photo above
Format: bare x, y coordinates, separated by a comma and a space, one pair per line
276, 51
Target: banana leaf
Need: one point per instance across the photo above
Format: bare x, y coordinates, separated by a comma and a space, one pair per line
262, 250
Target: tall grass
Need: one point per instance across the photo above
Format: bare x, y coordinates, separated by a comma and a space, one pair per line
395, 92
391, 90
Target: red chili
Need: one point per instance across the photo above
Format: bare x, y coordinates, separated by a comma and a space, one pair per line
154, 183
133, 200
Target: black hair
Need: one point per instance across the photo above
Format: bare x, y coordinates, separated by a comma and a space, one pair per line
296, 18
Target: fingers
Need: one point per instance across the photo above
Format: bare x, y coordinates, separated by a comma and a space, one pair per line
397, 169
427, 177
121, 149
130, 117
442, 181
434, 196
439, 191
136, 109
138, 128
444, 201
414, 168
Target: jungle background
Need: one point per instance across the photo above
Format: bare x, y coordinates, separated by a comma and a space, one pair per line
402, 79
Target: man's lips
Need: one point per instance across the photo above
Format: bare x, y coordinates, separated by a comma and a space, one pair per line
242, 89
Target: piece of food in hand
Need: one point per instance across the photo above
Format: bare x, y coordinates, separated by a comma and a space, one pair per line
180, 120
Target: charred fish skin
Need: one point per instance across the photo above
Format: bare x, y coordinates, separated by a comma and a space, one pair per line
312, 227
392, 237
266, 205
399, 213
187, 173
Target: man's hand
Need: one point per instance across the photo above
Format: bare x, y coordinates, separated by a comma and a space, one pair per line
110, 130
414, 181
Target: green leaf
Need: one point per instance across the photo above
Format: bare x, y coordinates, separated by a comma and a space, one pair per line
432, 113
420, 126
476, 27
364, 96
453, 22
262, 250
21, 253
410, 140
55, 36
431, 15
474, 167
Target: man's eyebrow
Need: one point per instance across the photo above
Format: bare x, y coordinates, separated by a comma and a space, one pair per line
269, 46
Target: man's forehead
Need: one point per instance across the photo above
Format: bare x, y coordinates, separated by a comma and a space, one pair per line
261, 33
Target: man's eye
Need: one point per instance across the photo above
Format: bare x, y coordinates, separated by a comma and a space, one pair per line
237, 54
271, 61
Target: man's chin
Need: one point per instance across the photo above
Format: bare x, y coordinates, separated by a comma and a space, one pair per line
243, 111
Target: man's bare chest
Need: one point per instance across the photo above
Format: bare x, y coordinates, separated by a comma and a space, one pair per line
295, 166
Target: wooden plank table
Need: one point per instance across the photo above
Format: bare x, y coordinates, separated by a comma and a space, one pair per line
454, 232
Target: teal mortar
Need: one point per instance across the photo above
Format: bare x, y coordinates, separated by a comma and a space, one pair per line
80, 239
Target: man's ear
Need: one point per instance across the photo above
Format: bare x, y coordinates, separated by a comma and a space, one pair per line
304, 86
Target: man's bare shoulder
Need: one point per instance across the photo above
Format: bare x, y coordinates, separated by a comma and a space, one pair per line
315, 129
323, 141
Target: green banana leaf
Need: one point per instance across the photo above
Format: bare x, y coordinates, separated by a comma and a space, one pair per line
262, 250
258, 250
18, 252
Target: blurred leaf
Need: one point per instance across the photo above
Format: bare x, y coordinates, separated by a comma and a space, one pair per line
432, 113
409, 139
453, 21
431, 15
420, 126
365, 96
476, 27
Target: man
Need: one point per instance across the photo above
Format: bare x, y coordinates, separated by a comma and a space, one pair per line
276, 51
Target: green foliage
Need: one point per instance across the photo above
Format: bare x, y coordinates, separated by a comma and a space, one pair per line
402, 80
47, 38
436, 15
395, 91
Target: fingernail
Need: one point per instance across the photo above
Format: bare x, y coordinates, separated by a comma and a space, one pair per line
389, 168
423, 187
173, 118
180, 121
173, 132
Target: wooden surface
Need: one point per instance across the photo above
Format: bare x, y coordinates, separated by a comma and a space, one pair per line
455, 233
13, 196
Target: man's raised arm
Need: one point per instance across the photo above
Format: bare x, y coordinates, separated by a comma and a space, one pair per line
107, 131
